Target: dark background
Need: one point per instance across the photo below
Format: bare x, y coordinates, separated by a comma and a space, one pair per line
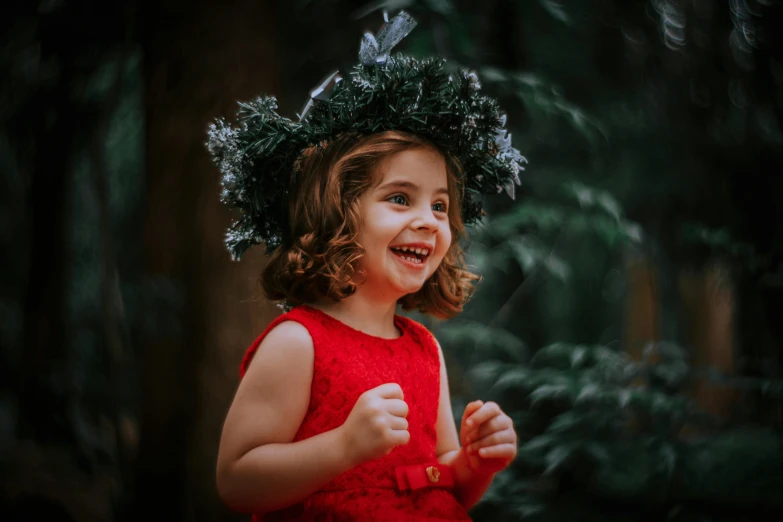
631, 313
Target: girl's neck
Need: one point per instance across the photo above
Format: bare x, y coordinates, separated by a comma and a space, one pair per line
372, 317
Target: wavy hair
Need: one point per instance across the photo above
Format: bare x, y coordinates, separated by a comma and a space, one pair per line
319, 259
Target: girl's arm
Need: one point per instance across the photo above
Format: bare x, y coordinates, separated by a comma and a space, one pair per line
259, 469
470, 486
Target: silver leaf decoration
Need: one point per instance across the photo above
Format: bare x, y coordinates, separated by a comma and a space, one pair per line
369, 49
321, 92
375, 50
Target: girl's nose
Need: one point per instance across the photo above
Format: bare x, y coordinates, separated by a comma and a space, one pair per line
425, 219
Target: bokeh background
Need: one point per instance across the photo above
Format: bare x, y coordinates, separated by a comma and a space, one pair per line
630, 318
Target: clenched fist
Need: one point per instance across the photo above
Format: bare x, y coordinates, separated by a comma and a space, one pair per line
376, 425
488, 437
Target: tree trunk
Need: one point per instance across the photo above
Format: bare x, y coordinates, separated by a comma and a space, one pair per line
708, 300
642, 315
200, 59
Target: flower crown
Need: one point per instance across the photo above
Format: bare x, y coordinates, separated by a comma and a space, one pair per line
385, 92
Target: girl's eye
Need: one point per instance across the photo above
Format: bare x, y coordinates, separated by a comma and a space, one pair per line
399, 199
439, 207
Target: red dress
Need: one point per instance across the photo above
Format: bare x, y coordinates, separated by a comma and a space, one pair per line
406, 485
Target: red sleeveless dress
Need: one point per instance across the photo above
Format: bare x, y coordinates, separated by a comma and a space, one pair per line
406, 485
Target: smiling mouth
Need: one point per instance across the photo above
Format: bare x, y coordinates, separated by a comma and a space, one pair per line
412, 255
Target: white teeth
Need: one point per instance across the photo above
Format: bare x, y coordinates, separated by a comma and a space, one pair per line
418, 251
424, 251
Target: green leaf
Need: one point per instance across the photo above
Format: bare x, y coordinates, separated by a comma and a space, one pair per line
538, 444
557, 267
605, 356
609, 204
487, 371
598, 451
589, 393
527, 509
528, 251
517, 377
624, 398
579, 356
584, 195
558, 456
606, 229
493, 74
485, 338
549, 391
672, 373
556, 10
556, 355
444, 7
669, 458
566, 421
633, 231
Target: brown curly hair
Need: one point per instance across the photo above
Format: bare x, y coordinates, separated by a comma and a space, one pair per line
325, 220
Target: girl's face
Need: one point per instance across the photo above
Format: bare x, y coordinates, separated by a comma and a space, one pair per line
405, 231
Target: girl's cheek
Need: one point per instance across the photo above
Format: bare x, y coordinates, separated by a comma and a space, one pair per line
446, 242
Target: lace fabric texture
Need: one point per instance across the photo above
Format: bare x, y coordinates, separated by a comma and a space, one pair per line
347, 363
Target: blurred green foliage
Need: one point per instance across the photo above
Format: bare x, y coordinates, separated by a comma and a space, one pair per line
642, 124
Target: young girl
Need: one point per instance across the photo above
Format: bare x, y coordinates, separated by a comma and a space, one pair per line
343, 409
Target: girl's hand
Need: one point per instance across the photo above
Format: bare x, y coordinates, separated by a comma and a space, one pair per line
376, 425
488, 437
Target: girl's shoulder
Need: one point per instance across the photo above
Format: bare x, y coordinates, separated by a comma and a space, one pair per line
290, 331
417, 331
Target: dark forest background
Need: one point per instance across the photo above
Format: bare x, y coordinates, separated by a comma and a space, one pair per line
631, 313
